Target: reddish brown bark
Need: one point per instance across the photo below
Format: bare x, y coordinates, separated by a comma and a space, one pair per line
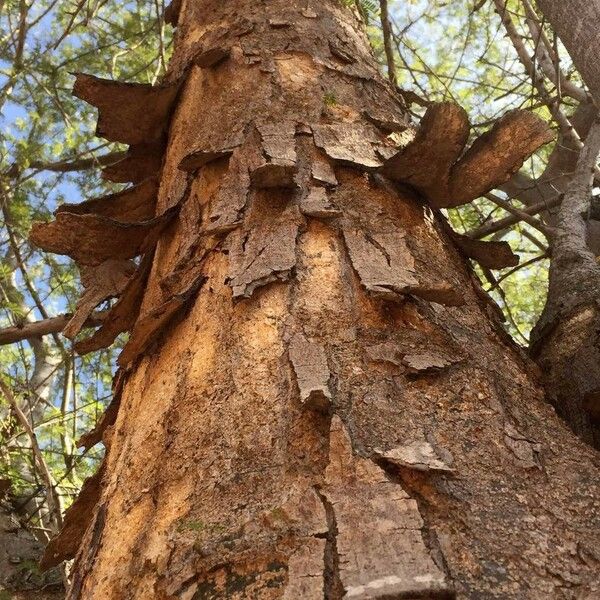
314, 401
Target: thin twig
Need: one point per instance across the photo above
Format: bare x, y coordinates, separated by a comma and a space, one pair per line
54, 504
387, 42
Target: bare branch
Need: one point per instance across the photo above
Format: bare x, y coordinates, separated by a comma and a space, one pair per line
54, 505
68, 166
523, 215
37, 329
502, 224
387, 42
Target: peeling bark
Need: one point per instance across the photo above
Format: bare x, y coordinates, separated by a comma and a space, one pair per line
137, 203
418, 455
107, 280
263, 253
316, 204
92, 239
220, 481
312, 373
141, 162
278, 149
491, 160
492, 255
497, 155
379, 539
122, 316
442, 135
148, 327
77, 519
132, 113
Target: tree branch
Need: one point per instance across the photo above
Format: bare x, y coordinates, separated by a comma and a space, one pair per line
387, 42
54, 325
522, 214
68, 166
502, 224
52, 497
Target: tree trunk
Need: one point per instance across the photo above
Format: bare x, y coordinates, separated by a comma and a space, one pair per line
575, 23
565, 339
314, 401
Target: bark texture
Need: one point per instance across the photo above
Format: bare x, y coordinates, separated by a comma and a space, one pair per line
575, 22
314, 401
565, 340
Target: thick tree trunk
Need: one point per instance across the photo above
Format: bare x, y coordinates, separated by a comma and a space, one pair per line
575, 22
335, 414
565, 340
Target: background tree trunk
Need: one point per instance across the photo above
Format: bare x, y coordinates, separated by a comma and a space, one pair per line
565, 340
334, 413
574, 22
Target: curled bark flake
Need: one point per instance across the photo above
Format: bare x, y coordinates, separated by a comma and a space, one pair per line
379, 529
142, 161
108, 418
227, 206
312, 373
132, 113
137, 203
352, 144
414, 352
93, 239
149, 326
425, 361
279, 150
199, 158
122, 316
492, 255
172, 13
263, 254
78, 518
382, 262
386, 268
316, 204
426, 161
489, 162
418, 455
388, 122
211, 57
440, 293
386, 352
322, 172
496, 155
107, 280
341, 51
83, 564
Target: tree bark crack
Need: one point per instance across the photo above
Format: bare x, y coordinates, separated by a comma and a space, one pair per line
333, 588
